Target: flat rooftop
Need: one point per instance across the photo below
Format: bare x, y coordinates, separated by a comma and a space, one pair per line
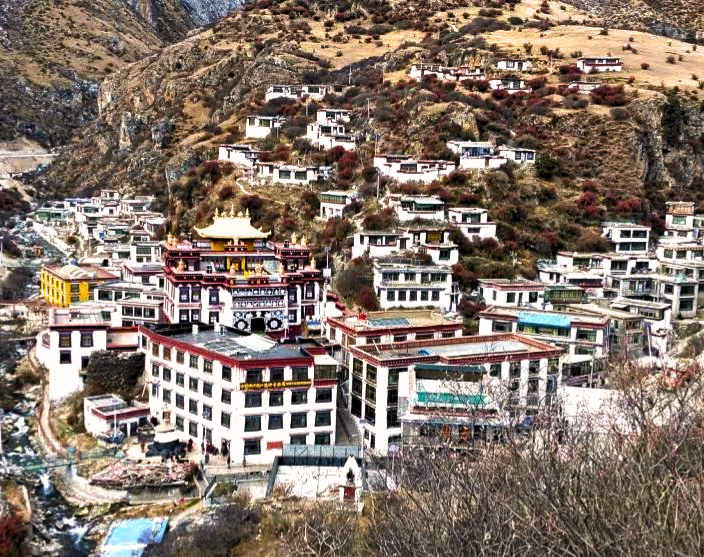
68, 317
538, 317
508, 284
388, 320
79, 272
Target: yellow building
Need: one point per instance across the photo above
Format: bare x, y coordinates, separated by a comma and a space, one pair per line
70, 284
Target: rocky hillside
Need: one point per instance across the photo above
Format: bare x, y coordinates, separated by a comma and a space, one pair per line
54, 53
619, 153
680, 19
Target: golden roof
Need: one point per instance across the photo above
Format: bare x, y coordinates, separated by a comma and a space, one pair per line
228, 225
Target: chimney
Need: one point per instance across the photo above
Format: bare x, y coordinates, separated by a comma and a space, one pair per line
194, 329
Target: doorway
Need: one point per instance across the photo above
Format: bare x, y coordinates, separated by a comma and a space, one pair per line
258, 325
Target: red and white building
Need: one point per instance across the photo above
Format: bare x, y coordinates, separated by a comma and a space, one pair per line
590, 64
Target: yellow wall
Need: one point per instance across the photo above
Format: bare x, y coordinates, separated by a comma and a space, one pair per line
57, 291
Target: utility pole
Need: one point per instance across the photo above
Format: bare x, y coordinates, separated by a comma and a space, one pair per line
349, 79
367, 109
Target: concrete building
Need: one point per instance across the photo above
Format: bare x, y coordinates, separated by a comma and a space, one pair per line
514, 64
444, 73
249, 394
258, 127
72, 283
510, 85
512, 293
626, 237
442, 378
517, 154
108, 414
242, 155
404, 285
411, 207
333, 203
403, 168
430, 240
302, 92
473, 223
600, 64
280, 173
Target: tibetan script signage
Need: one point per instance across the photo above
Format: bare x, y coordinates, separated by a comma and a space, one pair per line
275, 385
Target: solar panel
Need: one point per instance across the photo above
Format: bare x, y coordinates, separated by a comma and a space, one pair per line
390, 322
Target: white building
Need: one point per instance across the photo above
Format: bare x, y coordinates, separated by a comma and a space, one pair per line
315, 92
515, 293
72, 335
514, 64
329, 135
432, 241
261, 126
600, 64
107, 414
249, 394
399, 285
243, 155
410, 207
681, 222
281, 173
456, 74
405, 169
474, 223
627, 237
517, 154
476, 155
333, 203
332, 116
583, 87
509, 85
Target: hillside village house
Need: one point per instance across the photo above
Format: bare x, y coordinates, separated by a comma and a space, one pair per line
476, 155
125, 304
236, 277
315, 92
626, 237
403, 168
258, 127
584, 87
456, 74
517, 154
657, 322
281, 173
333, 203
511, 86
682, 225
105, 414
410, 207
72, 283
404, 285
473, 223
71, 336
517, 64
247, 394
243, 155
600, 64
440, 379
330, 134
583, 337
433, 240
507, 292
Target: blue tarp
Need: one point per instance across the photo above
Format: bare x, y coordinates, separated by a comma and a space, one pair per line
545, 320
129, 538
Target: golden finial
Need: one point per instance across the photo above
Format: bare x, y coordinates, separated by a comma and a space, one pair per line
293, 239
303, 240
239, 215
169, 239
233, 269
217, 213
232, 210
281, 268
312, 263
235, 240
246, 213
181, 265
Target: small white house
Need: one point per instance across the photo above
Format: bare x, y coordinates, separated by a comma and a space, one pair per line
315, 92
473, 223
627, 237
329, 135
583, 87
433, 241
107, 414
399, 285
476, 155
332, 115
600, 64
333, 203
261, 126
409, 207
516, 64
517, 293
281, 173
242, 155
517, 154
511, 86
459, 73
405, 169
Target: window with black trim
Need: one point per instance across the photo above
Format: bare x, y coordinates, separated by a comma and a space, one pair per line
276, 398
254, 376
276, 374
207, 389
323, 419
180, 401
193, 384
193, 406
64, 340
252, 423
299, 420
252, 400
226, 397
322, 438
180, 379
299, 397
225, 420
298, 439
276, 421
207, 412
252, 446
226, 373
323, 395
86, 340
300, 373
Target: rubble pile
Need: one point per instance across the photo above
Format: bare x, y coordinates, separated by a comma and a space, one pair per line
128, 474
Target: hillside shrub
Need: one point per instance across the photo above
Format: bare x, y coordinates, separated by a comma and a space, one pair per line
609, 95
546, 167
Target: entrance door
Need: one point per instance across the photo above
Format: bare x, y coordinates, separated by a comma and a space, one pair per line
258, 325
520, 298
520, 66
208, 435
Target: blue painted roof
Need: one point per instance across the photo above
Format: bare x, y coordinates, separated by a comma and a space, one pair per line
545, 320
129, 538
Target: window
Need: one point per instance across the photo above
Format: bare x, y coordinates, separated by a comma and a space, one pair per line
401, 295
225, 420
370, 414
514, 369
534, 367
356, 407
180, 401
501, 326
193, 406
226, 396
423, 295
323, 395
166, 374
322, 438
300, 373
413, 296
323, 419
180, 357
193, 429
180, 378
208, 389
64, 357
254, 376
86, 340
392, 417
276, 398
183, 316
299, 420
64, 340
166, 396
435, 296
553, 365
276, 421
299, 397
252, 400
444, 254
214, 297
208, 366
207, 412
356, 386
370, 394
586, 334
183, 295
193, 361
511, 298
226, 373
276, 374
252, 446
298, 439
392, 397
532, 297
495, 370
533, 386
179, 423
155, 370
193, 384
252, 423
166, 351
686, 305
371, 373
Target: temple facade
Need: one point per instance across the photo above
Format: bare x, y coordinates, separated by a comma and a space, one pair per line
233, 275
